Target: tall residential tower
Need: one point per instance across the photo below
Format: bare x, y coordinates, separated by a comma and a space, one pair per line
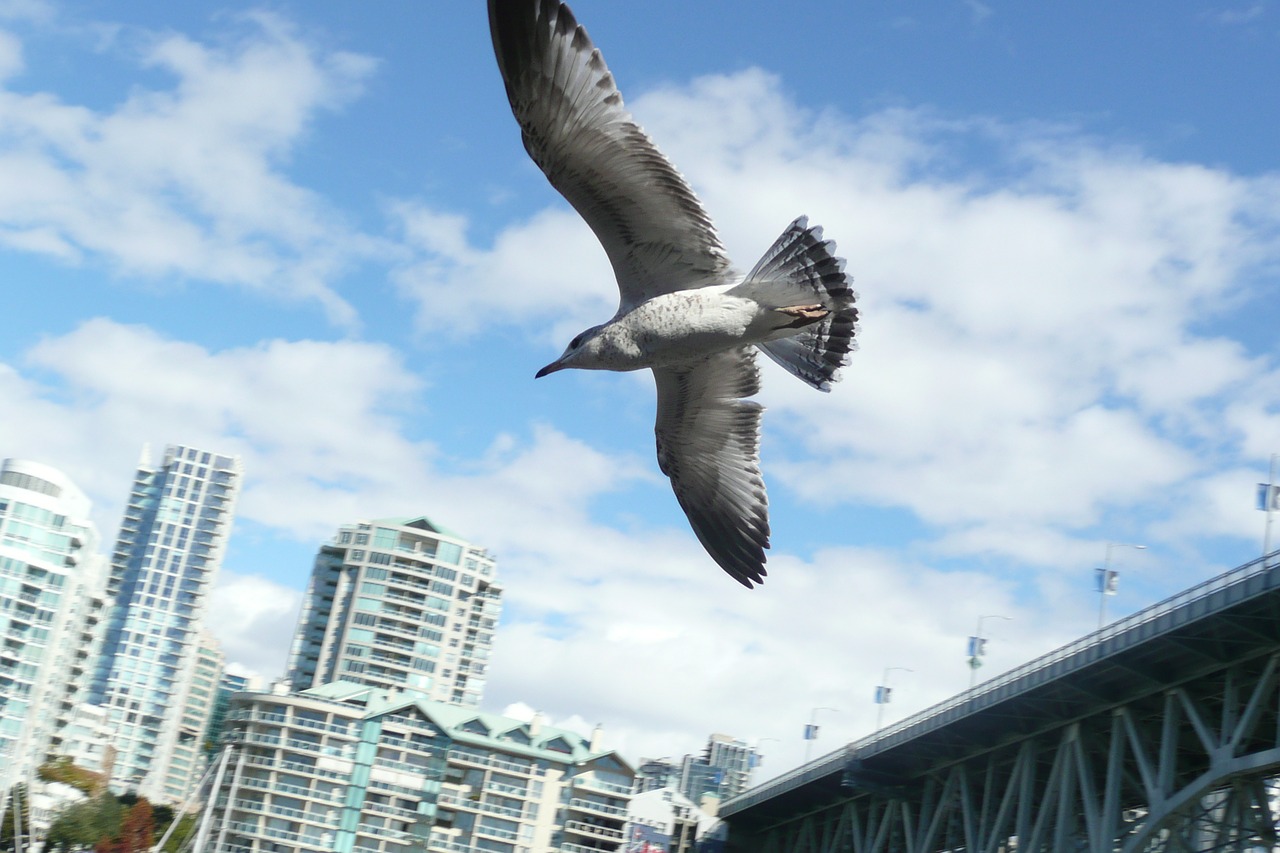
399, 602
51, 599
171, 545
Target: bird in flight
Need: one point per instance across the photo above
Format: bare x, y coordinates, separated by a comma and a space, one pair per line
683, 312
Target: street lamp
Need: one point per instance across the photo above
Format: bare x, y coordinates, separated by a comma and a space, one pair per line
1107, 579
811, 730
978, 646
883, 692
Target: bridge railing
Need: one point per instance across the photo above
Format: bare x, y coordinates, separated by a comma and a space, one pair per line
1239, 579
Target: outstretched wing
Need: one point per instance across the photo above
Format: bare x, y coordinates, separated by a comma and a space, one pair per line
709, 445
575, 127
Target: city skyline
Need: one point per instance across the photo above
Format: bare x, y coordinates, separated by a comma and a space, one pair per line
311, 238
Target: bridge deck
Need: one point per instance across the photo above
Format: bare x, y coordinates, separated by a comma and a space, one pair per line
1230, 618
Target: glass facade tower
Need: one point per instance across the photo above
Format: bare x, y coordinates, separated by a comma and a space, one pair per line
171, 544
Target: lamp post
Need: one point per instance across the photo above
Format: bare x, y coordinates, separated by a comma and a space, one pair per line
811, 730
1107, 578
1268, 500
977, 646
883, 692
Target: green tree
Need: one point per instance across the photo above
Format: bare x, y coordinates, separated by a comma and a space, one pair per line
84, 824
137, 830
61, 769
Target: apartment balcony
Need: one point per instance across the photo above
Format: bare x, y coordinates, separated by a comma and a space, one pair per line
250, 716
273, 763
441, 845
477, 805
231, 848
570, 847
593, 830
509, 790
592, 807
382, 832
273, 810
393, 811
495, 832
594, 784
405, 767
491, 761
262, 784
242, 828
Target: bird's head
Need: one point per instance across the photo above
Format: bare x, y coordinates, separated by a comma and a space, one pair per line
582, 352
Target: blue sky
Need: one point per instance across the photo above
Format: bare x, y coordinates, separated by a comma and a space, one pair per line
307, 233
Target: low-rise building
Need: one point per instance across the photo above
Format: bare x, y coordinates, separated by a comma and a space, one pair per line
359, 769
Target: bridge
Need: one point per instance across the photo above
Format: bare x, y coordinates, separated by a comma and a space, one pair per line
1159, 732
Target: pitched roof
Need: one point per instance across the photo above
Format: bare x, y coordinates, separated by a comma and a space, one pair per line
469, 726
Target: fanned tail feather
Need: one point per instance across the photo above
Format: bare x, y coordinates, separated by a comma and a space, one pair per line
800, 266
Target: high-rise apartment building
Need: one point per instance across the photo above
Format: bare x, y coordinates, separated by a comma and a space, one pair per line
198, 705
723, 770
356, 769
171, 544
399, 602
52, 580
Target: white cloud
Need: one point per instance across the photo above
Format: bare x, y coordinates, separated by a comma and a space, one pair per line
11, 60
187, 181
315, 421
594, 613
511, 283
254, 619
28, 10
1236, 16
666, 660
1033, 348
1038, 369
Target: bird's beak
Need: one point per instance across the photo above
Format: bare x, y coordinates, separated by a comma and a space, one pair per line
550, 368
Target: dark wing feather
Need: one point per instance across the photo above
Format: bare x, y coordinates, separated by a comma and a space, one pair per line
575, 127
709, 445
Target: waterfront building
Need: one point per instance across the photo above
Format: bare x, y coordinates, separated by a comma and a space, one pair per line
352, 768
52, 582
656, 773
663, 820
403, 603
172, 540
723, 770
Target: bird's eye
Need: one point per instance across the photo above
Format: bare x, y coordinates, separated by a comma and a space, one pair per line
577, 342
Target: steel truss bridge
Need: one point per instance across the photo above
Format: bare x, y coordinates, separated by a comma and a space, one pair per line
1160, 732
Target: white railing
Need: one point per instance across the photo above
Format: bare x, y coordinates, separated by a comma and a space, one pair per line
601, 785
491, 761
593, 830
592, 806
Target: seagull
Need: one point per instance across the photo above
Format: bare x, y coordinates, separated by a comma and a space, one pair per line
683, 311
